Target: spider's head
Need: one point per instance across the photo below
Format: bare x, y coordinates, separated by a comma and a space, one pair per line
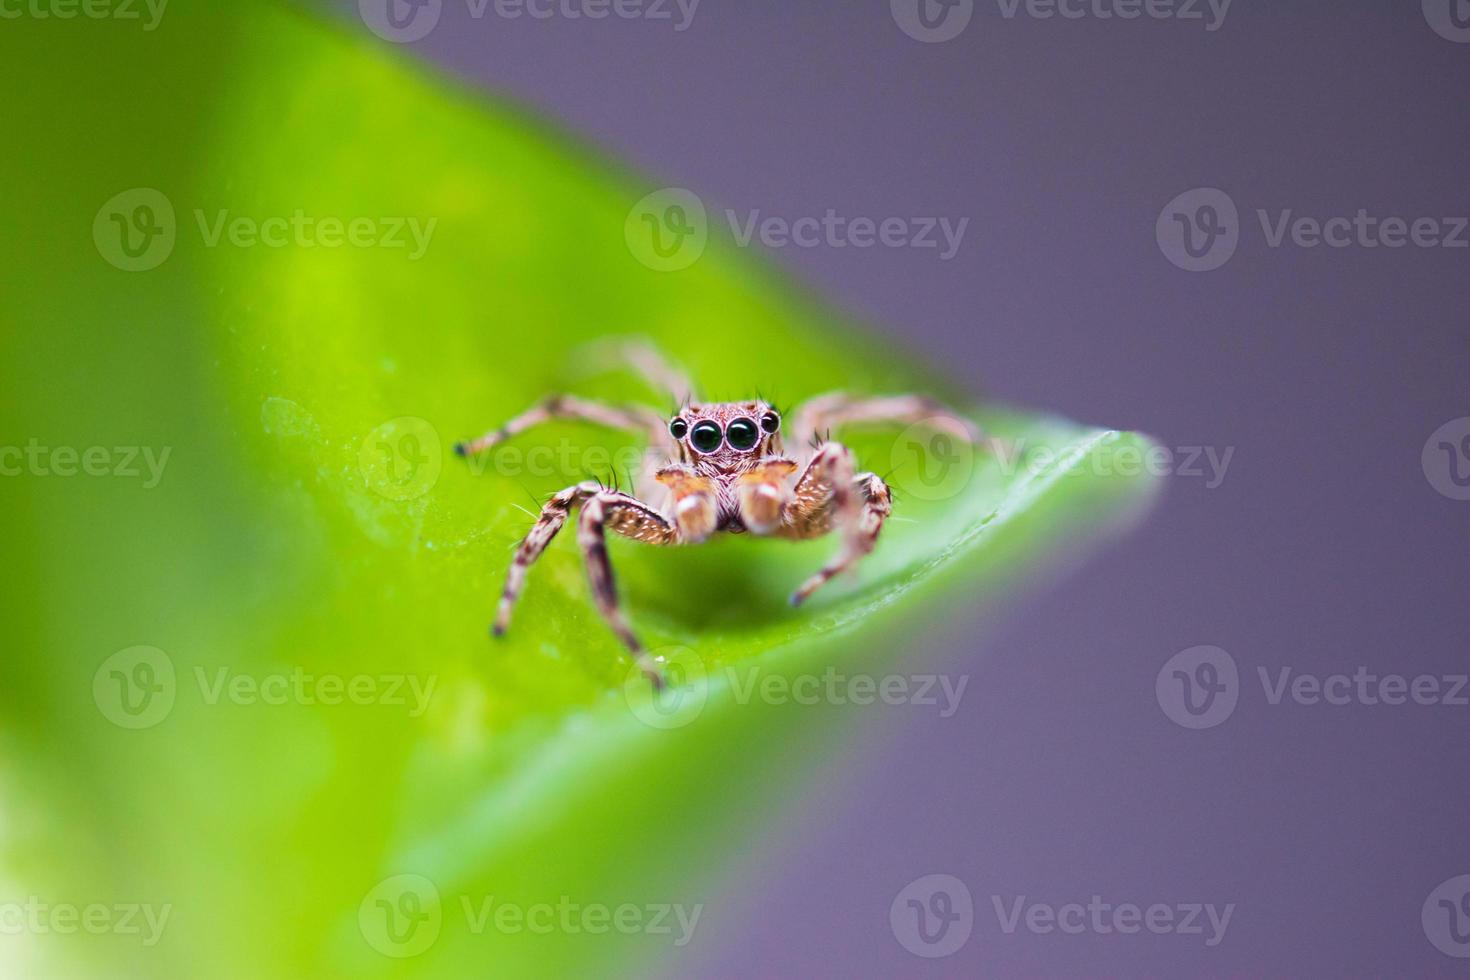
726, 433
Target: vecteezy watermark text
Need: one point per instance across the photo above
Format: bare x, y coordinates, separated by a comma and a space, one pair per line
934, 21
1101, 918
691, 680
122, 10
296, 686
1207, 463
832, 230
401, 916
1210, 13
38, 917
122, 462
405, 21
303, 230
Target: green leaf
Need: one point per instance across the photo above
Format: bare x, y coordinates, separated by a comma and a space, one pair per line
283, 545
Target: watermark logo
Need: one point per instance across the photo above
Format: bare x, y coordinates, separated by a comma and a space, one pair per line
400, 21
682, 697
1449, 18
1446, 917
1198, 688
135, 688
1446, 459
401, 916
402, 458
1199, 230
668, 229
933, 459
932, 21
135, 231
932, 916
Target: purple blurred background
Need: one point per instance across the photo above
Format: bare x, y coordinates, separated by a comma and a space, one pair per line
1324, 549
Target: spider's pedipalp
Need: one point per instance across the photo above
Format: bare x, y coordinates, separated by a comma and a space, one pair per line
695, 509
762, 496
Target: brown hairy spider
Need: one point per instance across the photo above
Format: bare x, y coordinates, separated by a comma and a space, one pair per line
723, 469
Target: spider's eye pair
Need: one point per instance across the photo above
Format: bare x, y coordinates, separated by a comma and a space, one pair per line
742, 433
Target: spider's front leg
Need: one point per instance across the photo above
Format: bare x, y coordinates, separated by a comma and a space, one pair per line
553, 515
630, 517
625, 515
837, 410
644, 421
829, 496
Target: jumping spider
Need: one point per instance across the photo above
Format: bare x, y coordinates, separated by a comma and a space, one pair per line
723, 470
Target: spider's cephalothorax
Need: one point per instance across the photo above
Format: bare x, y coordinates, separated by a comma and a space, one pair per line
720, 445
723, 469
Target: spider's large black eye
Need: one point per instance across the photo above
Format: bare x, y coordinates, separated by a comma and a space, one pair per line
742, 434
770, 422
706, 436
678, 428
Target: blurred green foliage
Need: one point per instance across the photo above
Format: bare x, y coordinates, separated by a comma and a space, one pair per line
285, 536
